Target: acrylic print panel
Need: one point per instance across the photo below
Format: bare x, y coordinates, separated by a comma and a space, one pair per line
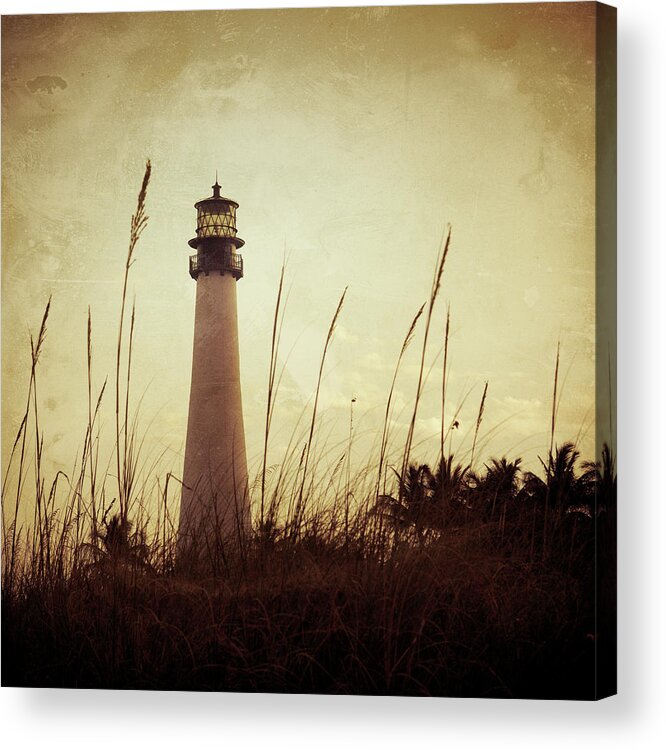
347, 426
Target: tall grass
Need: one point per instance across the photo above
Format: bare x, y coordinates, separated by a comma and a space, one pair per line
434, 293
477, 426
387, 414
123, 464
398, 579
444, 375
271, 393
300, 503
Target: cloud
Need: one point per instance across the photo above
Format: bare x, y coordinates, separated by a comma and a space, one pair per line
342, 334
522, 403
429, 425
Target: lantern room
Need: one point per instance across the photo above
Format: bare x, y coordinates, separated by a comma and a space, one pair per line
216, 219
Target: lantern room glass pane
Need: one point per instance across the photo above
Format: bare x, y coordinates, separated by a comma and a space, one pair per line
214, 221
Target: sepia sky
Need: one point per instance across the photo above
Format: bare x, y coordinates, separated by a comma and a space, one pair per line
350, 138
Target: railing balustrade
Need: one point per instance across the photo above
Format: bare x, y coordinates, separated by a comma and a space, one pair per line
227, 261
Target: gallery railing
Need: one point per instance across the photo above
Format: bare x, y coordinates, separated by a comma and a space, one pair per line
226, 261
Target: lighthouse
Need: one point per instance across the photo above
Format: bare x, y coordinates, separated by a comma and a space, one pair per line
214, 501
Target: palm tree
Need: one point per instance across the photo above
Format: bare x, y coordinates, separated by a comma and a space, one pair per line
412, 506
601, 479
120, 547
499, 485
562, 486
447, 487
415, 497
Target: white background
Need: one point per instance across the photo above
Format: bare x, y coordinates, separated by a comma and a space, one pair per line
53, 719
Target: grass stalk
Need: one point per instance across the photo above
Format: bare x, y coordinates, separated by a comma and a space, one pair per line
271, 393
478, 424
434, 292
444, 383
299, 510
387, 412
550, 466
137, 225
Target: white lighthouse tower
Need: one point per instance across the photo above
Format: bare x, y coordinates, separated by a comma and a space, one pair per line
214, 501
